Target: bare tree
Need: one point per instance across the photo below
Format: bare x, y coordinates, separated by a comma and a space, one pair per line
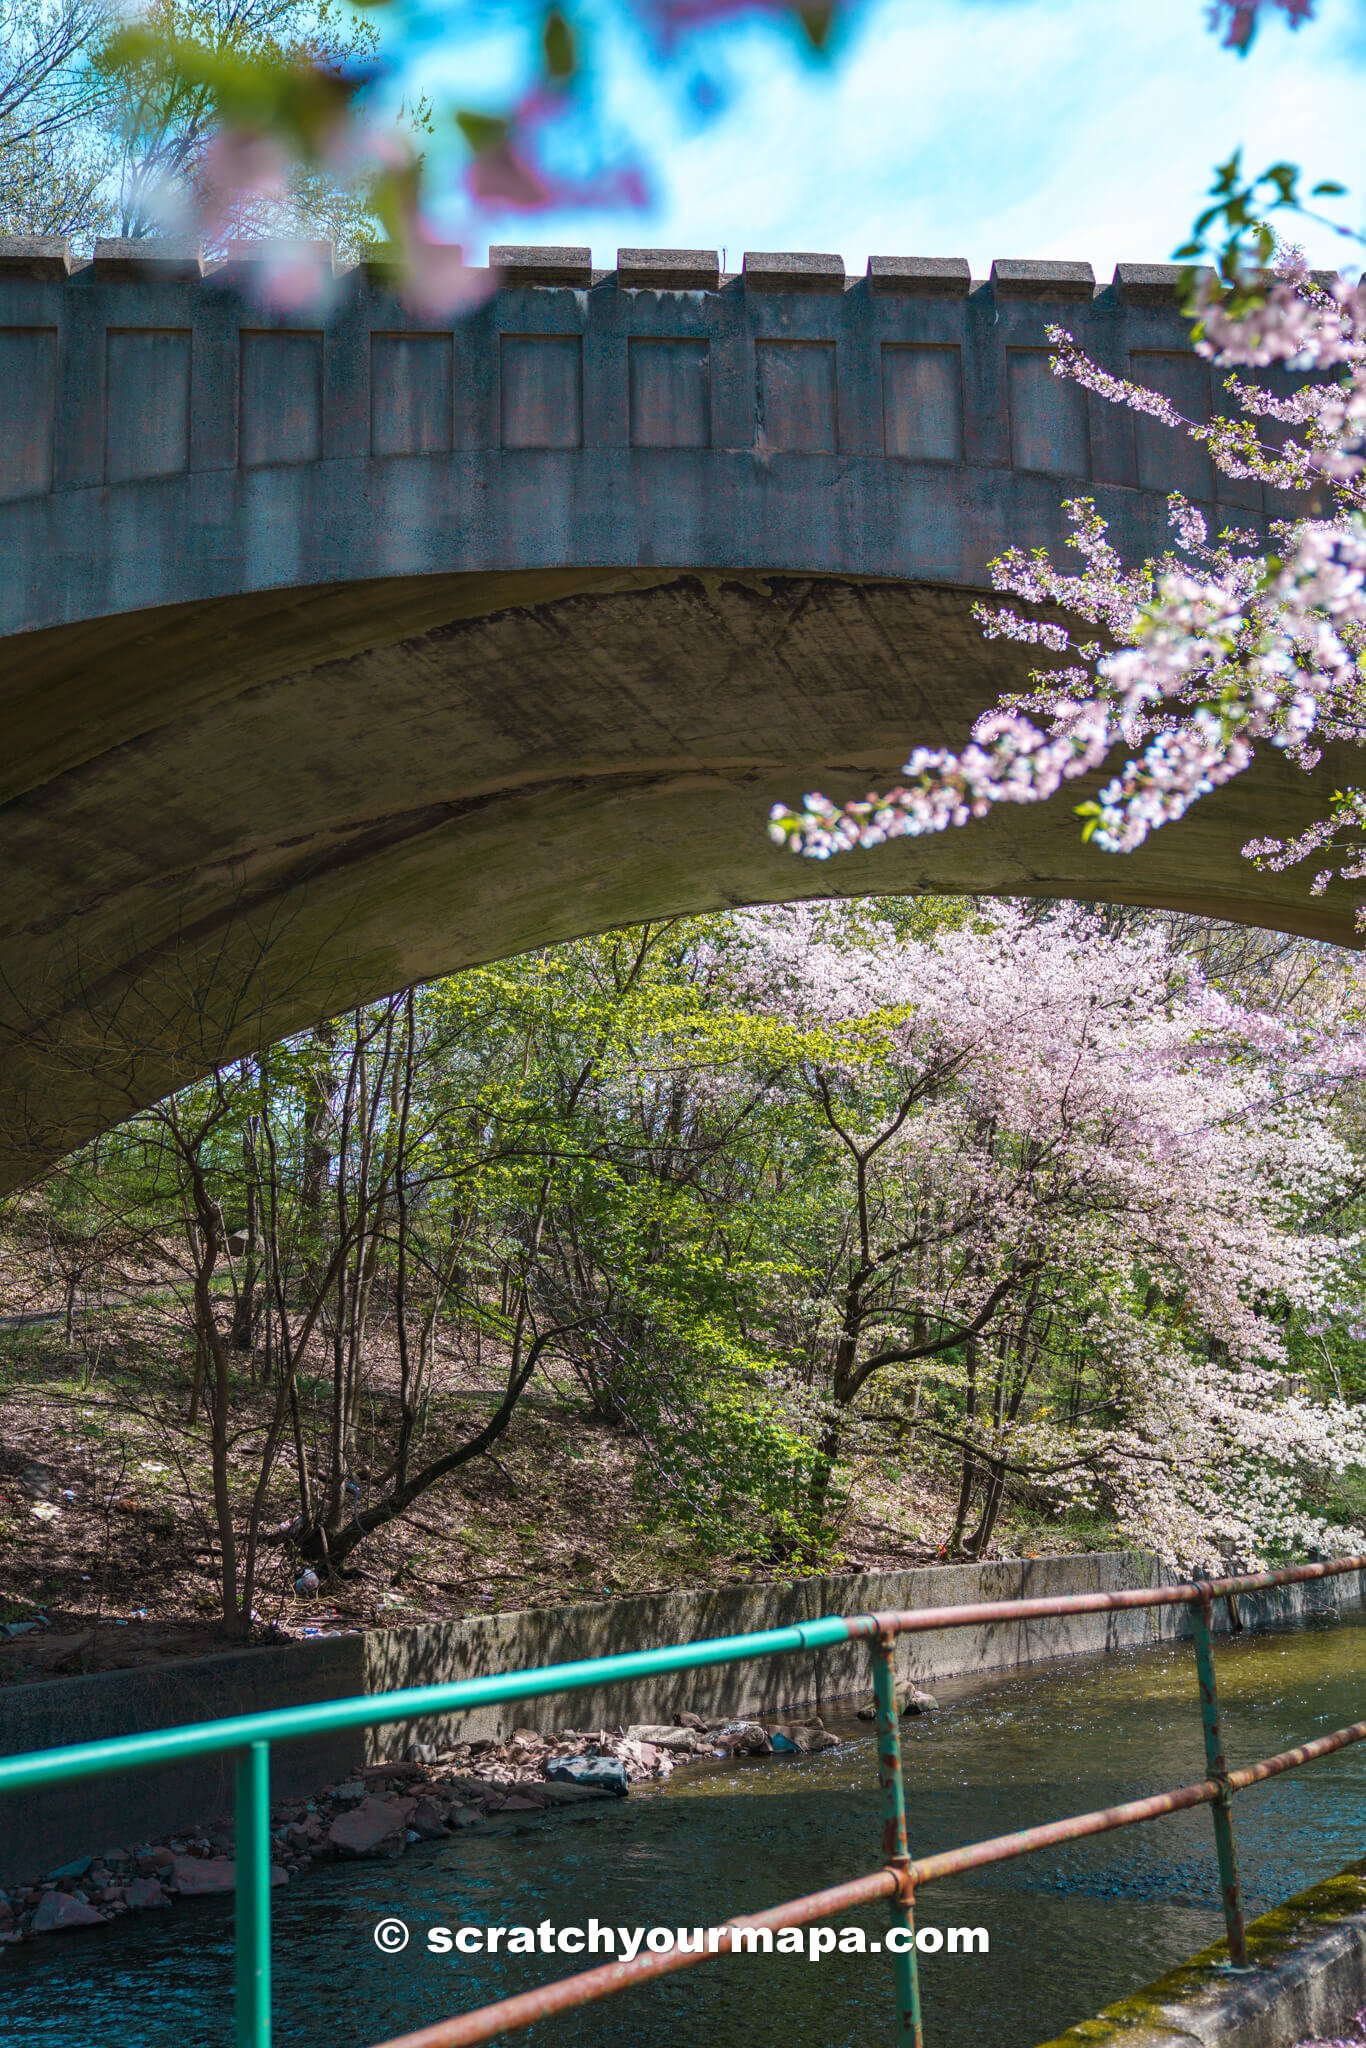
55, 156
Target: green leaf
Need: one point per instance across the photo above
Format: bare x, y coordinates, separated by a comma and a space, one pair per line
483, 132
559, 47
817, 19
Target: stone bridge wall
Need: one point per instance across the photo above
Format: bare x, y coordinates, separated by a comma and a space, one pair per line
340, 649
164, 435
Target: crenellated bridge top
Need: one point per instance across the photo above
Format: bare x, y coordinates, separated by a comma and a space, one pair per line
903, 423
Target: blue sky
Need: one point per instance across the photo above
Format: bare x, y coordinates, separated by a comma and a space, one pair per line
980, 128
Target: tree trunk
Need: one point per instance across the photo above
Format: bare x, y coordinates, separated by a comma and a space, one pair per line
328, 1544
969, 1474
242, 1336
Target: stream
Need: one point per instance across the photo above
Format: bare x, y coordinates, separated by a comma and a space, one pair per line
1070, 1929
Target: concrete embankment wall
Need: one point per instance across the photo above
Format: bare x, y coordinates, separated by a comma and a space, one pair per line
1307, 1980
46, 1828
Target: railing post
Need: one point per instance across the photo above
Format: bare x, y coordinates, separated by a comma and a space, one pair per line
1217, 1769
895, 1844
253, 1895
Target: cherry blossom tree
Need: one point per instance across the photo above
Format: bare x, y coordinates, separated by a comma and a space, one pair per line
1197, 659
1239, 20
1030, 1137
981, 1213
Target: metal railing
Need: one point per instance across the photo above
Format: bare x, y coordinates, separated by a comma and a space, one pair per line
898, 1880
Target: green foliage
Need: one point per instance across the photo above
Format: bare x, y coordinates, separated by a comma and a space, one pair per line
645, 1253
702, 1208
1236, 234
106, 117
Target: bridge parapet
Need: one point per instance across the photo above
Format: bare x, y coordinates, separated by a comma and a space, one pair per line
341, 647
902, 423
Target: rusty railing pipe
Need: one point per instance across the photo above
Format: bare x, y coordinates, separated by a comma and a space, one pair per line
466, 2030
895, 1843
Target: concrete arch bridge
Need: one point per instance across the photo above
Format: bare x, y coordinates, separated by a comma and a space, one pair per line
339, 649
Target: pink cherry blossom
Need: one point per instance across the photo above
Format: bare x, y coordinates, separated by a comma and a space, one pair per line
1194, 660
1239, 19
1043, 1099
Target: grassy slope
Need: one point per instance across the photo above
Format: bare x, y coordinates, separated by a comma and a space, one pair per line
125, 1572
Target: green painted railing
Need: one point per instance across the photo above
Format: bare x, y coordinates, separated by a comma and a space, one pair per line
248, 1738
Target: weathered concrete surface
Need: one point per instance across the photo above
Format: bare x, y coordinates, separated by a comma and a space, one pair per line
40, 1830
66, 1820
400, 1657
1307, 1978
343, 651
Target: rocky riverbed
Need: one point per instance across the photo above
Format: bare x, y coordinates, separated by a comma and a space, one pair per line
382, 1809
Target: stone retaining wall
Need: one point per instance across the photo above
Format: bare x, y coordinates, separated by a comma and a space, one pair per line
48, 1828
1307, 1978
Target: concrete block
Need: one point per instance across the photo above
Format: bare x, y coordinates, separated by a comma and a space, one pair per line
1048, 424
922, 401
668, 270
541, 391
281, 397
411, 394
147, 402
1149, 284
789, 271
28, 386
950, 274
670, 393
131, 258
1169, 460
383, 262
1307, 1978
797, 396
283, 249
516, 265
35, 256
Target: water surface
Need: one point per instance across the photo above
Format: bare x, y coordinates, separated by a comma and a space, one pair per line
1071, 1929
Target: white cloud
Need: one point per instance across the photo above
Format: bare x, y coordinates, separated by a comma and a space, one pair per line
989, 128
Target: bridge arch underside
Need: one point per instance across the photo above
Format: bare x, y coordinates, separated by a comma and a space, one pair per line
258, 810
